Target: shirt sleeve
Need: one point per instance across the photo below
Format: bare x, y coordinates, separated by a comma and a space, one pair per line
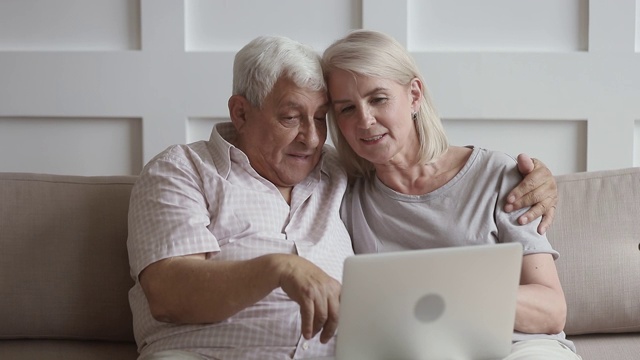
509, 230
168, 213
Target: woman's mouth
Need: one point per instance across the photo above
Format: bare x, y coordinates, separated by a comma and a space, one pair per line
372, 139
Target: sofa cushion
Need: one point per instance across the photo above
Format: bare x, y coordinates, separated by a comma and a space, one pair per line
64, 257
67, 350
608, 346
597, 232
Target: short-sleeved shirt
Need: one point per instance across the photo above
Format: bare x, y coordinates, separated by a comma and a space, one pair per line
467, 210
206, 198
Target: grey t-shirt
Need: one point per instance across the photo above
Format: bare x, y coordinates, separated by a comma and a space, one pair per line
468, 210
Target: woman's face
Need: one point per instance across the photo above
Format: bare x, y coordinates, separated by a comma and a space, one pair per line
375, 116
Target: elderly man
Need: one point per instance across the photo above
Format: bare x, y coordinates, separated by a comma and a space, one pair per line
235, 244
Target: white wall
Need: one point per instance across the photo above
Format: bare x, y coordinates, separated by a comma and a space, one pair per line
97, 87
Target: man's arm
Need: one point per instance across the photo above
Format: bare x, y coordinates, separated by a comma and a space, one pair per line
538, 189
193, 290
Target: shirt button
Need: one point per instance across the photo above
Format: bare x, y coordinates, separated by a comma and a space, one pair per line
305, 346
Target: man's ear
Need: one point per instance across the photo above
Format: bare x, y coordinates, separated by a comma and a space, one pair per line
415, 89
238, 108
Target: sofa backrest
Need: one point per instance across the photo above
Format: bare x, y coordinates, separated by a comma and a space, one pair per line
597, 232
53, 225
64, 266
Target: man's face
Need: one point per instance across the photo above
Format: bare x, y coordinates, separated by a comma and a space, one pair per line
284, 138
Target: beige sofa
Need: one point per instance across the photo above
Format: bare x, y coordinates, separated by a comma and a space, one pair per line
64, 273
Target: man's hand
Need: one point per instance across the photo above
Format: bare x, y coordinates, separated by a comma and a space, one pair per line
538, 189
318, 295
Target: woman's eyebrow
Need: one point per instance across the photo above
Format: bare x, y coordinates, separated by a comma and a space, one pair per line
378, 89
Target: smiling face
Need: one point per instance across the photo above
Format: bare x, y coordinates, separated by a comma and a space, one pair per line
375, 116
283, 139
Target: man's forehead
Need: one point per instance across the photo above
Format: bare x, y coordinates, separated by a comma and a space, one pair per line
290, 95
302, 103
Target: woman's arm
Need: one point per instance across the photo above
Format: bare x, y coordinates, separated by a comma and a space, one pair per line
541, 306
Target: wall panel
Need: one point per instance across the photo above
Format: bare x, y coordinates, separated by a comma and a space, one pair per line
200, 128
62, 25
636, 144
565, 139
72, 146
637, 25
151, 73
220, 25
498, 25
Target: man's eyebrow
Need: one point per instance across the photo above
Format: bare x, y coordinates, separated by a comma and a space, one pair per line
378, 89
290, 104
297, 106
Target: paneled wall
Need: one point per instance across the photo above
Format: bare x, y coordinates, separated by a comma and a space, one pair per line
97, 87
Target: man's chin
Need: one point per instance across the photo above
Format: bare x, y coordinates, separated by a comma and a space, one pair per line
295, 175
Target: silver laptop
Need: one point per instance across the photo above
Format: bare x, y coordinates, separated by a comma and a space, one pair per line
447, 303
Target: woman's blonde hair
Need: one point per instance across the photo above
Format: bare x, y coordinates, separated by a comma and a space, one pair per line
374, 54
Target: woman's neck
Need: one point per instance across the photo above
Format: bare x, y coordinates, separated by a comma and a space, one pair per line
419, 179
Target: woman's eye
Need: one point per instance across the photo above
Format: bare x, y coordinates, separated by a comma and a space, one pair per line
378, 100
346, 109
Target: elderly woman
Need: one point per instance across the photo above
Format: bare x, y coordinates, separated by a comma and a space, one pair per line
407, 179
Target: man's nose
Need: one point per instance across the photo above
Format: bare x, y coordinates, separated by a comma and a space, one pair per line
309, 133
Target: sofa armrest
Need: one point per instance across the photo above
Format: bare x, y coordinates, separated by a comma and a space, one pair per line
65, 269
597, 232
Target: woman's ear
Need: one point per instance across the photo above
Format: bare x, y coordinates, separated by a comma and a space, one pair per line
238, 108
415, 89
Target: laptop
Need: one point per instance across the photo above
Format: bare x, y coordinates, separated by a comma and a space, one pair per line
445, 303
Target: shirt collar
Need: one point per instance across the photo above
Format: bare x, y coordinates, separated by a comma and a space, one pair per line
223, 151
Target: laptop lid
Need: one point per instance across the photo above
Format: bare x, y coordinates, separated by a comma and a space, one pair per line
445, 303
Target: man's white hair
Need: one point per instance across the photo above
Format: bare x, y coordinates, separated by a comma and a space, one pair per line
260, 63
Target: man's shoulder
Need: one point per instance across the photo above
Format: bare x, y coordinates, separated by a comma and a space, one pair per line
179, 157
173, 153
331, 164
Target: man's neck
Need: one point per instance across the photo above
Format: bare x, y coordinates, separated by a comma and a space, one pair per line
286, 193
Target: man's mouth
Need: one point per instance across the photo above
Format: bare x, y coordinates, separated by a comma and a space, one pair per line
302, 156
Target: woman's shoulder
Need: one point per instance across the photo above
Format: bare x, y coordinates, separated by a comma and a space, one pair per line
495, 159
460, 153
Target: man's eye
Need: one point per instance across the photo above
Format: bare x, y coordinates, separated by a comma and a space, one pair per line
290, 120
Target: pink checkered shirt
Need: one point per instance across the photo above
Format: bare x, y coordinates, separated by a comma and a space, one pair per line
206, 198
